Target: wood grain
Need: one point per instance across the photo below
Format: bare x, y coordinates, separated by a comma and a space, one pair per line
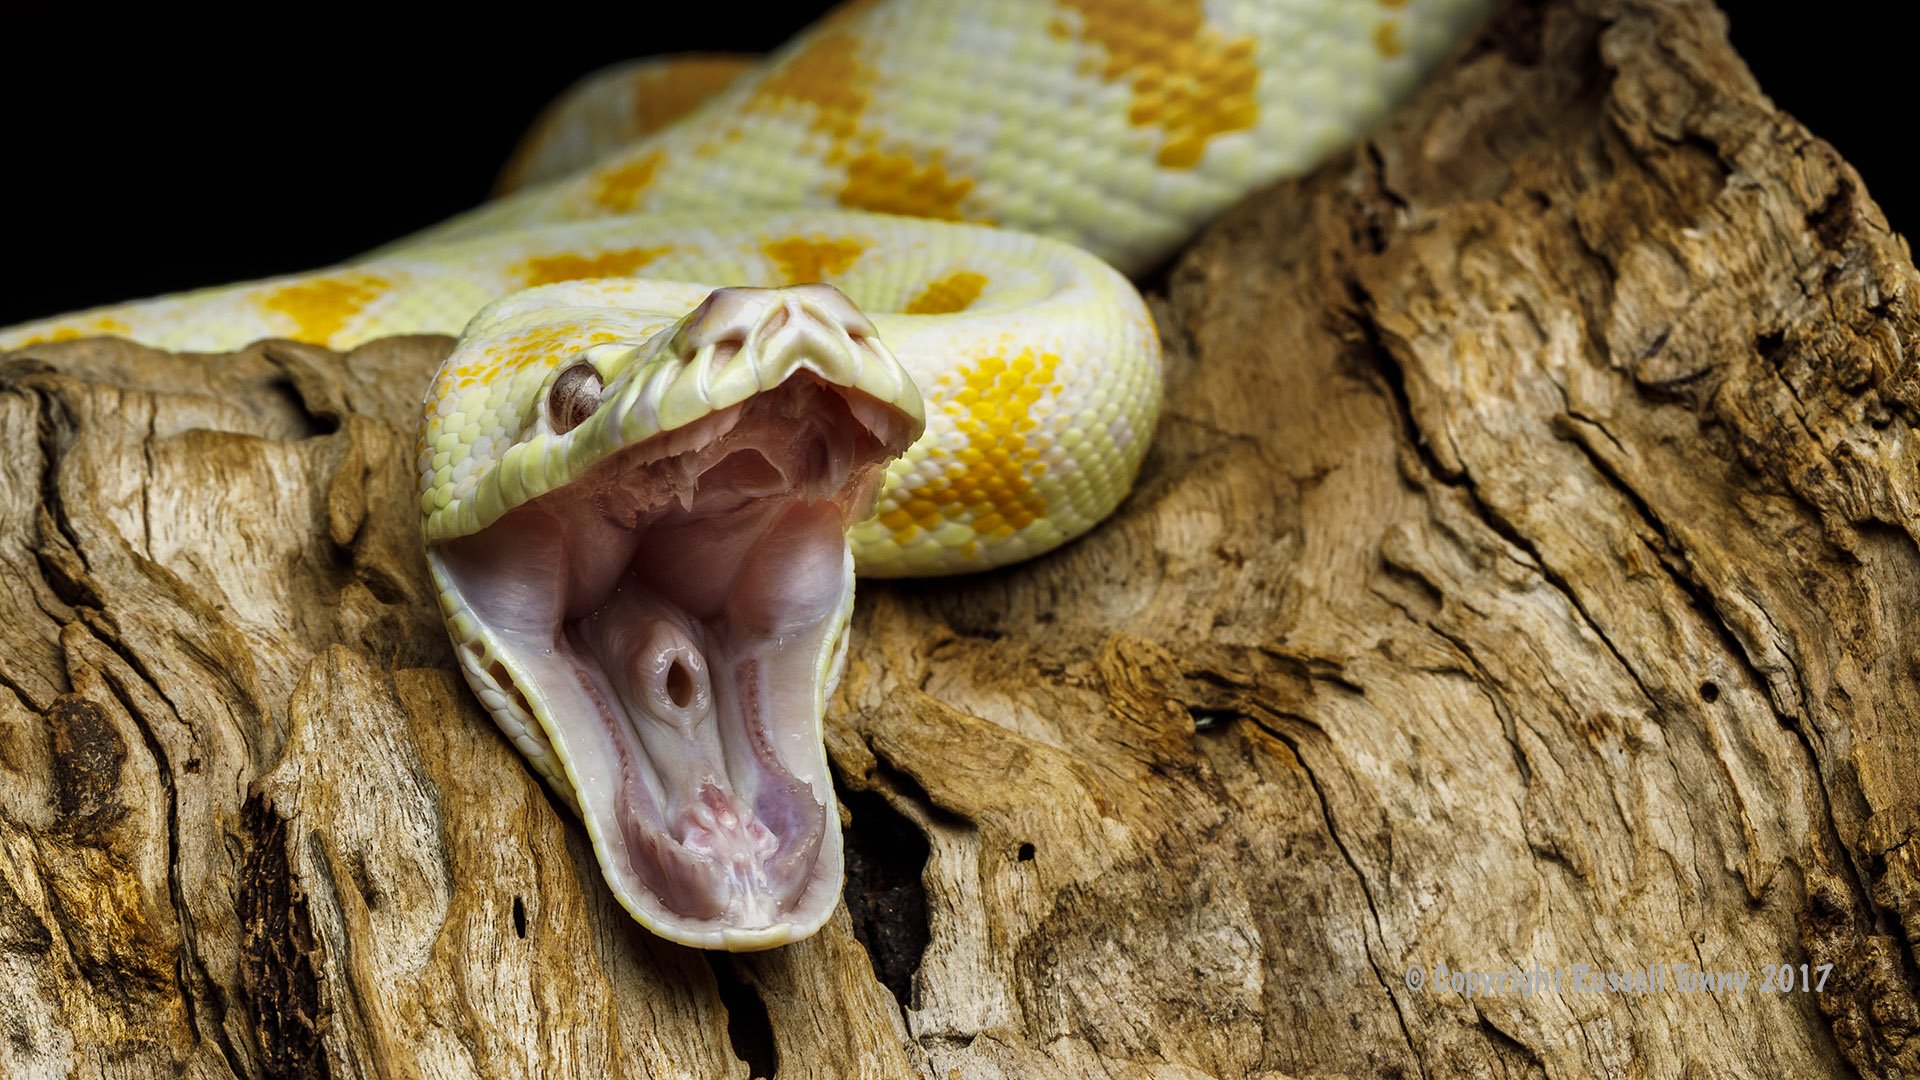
1522, 576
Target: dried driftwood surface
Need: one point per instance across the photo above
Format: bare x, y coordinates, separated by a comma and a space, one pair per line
1522, 576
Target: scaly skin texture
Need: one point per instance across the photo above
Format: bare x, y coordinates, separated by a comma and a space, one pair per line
656, 642
1038, 364
1117, 125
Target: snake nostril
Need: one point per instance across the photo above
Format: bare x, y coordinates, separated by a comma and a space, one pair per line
574, 397
725, 349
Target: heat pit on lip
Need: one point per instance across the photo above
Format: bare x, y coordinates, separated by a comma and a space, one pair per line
677, 608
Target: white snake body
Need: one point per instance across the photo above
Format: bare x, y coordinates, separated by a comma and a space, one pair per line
644, 498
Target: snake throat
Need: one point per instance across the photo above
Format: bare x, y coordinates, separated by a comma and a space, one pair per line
674, 617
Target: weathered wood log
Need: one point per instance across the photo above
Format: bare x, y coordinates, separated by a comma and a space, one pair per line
1521, 579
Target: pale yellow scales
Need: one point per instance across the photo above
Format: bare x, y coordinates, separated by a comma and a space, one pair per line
635, 491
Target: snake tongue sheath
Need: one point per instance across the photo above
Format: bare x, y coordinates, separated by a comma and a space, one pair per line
672, 615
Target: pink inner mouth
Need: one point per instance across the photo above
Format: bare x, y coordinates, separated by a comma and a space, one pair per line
677, 607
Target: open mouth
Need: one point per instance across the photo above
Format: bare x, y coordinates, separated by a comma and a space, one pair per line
674, 618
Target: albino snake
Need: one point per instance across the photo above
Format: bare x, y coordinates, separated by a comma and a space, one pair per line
645, 501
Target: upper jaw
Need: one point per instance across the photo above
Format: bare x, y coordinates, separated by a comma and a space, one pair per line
672, 619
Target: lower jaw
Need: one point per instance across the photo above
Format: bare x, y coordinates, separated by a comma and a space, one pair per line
724, 800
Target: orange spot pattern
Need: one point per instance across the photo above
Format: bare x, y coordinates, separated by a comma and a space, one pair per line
1386, 39
71, 333
665, 94
619, 189
320, 308
896, 184
955, 292
1188, 79
990, 482
829, 75
547, 269
802, 260
542, 345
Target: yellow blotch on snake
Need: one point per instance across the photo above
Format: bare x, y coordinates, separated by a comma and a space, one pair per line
990, 482
955, 292
897, 184
547, 269
619, 188
827, 74
543, 345
320, 309
70, 333
1188, 80
1386, 39
664, 94
801, 260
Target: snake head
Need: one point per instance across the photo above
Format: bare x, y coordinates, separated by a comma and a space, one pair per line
636, 516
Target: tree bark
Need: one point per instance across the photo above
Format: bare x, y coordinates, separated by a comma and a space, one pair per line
1520, 580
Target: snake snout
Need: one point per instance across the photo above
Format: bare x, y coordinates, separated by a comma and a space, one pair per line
737, 316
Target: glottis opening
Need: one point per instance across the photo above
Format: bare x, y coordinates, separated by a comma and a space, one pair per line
674, 616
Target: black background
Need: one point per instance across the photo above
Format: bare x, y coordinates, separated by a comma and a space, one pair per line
149, 153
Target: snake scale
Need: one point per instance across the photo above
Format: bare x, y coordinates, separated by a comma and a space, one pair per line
861, 309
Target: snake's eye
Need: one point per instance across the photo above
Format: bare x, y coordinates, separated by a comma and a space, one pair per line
574, 397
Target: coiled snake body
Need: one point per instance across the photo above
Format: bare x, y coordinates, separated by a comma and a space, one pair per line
709, 375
